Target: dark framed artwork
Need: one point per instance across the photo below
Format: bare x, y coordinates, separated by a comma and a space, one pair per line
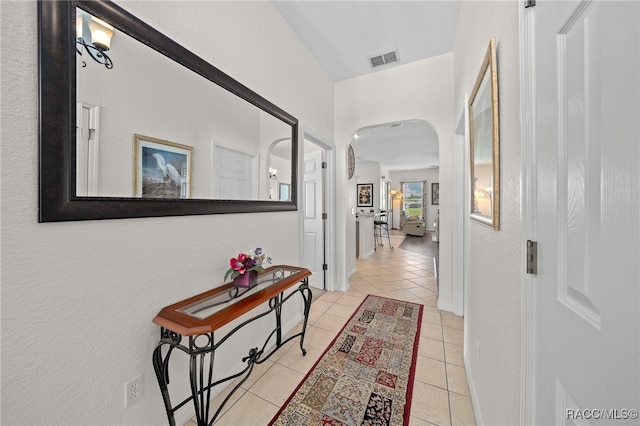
484, 126
435, 194
365, 195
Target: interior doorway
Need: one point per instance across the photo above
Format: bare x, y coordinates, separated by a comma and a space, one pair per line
317, 212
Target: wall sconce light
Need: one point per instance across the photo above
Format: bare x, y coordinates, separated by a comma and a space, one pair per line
485, 192
273, 173
100, 33
480, 193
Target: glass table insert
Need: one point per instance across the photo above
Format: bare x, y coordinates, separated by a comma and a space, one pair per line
216, 302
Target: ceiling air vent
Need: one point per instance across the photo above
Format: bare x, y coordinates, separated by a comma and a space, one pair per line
384, 59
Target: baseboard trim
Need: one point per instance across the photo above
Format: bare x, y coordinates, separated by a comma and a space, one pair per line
435, 276
367, 255
474, 395
445, 307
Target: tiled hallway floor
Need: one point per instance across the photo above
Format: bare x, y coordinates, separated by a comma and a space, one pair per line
440, 392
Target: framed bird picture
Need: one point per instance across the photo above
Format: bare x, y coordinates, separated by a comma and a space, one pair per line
162, 169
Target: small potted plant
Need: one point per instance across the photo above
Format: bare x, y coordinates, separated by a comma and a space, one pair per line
244, 268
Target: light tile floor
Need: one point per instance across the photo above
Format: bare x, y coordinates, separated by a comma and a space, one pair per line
440, 392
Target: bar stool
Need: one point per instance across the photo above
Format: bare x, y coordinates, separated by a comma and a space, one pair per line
381, 230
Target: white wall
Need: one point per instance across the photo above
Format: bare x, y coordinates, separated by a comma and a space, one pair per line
369, 173
493, 285
78, 298
172, 103
419, 90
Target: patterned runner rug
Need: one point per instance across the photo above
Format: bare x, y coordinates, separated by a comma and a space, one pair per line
365, 376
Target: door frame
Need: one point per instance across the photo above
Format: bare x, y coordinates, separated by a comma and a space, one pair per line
460, 207
529, 206
91, 162
329, 189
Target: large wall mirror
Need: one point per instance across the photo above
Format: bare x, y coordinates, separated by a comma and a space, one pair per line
150, 129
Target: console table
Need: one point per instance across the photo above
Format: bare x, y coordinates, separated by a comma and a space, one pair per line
198, 318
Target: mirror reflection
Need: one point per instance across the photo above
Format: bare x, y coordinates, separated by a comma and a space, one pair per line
147, 127
280, 170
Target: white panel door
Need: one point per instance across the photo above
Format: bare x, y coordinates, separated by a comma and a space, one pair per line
233, 175
313, 239
587, 139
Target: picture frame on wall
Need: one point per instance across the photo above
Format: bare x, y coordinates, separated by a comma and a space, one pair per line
435, 194
162, 169
365, 194
484, 127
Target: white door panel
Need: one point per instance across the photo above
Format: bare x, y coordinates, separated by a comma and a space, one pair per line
587, 322
313, 243
311, 204
233, 175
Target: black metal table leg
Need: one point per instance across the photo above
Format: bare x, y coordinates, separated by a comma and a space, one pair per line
161, 367
304, 287
201, 347
276, 305
201, 351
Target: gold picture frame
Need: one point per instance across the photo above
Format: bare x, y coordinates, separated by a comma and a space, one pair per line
161, 169
484, 138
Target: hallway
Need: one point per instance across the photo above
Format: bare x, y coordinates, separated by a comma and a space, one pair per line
440, 392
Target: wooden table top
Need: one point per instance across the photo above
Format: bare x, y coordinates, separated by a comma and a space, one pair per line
208, 311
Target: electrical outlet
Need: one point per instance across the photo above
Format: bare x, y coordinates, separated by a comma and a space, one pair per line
477, 353
132, 391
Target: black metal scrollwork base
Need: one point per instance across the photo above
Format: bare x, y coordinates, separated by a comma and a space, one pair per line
201, 350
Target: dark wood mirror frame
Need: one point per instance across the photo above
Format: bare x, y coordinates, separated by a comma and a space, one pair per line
57, 100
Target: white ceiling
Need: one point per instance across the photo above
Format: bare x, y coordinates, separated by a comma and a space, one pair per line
405, 145
342, 35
